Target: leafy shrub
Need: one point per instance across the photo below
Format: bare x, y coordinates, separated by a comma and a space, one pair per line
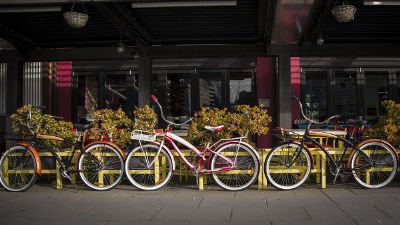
48, 125
145, 119
244, 120
115, 125
388, 127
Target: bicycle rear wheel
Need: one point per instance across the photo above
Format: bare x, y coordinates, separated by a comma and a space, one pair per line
17, 169
101, 167
237, 173
374, 165
146, 172
287, 166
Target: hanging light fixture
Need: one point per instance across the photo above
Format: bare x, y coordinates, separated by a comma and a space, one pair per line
76, 19
320, 40
345, 12
121, 47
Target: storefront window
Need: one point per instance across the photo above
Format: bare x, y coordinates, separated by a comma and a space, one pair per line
210, 89
346, 94
315, 94
240, 88
179, 90
376, 91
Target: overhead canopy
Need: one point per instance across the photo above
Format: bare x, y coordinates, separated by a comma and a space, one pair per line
37, 24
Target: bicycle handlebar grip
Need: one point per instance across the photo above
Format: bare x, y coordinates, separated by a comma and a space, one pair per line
295, 98
154, 98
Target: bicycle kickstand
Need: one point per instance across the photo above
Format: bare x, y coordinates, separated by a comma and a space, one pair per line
336, 175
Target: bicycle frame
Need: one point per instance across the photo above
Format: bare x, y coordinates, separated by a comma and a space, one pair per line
308, 137
171, 138
39, 141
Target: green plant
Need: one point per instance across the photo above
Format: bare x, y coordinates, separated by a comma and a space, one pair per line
388, 127
145, 119
115, 125
48, 125
244, 120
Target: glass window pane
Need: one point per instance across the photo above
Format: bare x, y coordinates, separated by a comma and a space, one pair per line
240, 88
315, 94
87, 96
179, 95
376, 91
346, 94
115, 91
210, 89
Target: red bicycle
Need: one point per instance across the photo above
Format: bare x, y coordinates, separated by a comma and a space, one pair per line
233, 163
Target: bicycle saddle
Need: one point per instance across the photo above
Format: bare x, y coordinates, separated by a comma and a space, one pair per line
215, 129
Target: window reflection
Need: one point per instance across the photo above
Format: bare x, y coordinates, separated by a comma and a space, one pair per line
346, 94
240, 88
376, 86
315, 94
210, 89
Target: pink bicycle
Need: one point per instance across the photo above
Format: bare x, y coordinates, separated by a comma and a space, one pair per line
233, 163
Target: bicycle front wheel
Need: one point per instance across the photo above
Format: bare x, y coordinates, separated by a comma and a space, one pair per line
374, 165
238, 167
101, 167
287, 166
17, 169
147, 169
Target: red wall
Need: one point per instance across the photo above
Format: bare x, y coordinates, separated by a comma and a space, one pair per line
265, 90
64, 89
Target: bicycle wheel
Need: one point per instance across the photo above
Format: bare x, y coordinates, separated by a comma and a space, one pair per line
374, 165
237, 173
17, 169
101, 167
146, 172
287, 166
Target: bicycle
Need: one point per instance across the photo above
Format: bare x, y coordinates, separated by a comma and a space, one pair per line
233, 163
372, 162
99, 165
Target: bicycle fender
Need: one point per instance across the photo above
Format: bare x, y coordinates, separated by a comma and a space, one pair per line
243, 143
308, 151
35, 154
119, 149
365, 142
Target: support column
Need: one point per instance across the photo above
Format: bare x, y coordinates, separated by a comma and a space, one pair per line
145, 73
284, 92
14, 90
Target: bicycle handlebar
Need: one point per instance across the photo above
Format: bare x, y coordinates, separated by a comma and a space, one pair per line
310, 120
155, 100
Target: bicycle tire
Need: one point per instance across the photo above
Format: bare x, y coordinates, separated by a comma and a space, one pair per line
144, 176
106, 163
380, 152
248, 160
30, 162
287, 179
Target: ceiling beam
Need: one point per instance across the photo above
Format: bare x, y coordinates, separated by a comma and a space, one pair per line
51, 2
318, 12
338, 50
124, 21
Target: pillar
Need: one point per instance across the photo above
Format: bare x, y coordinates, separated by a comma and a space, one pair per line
284, 93
145, 74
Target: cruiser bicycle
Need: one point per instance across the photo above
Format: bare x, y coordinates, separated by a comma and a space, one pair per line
233, 163
372, 162
100, 163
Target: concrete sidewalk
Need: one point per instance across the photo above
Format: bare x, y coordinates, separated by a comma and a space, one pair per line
339, 205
